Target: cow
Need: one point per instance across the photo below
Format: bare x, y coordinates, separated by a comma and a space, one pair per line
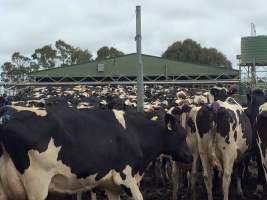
254, 100
261, 141
256, 113
224, 139
184, 110
223, 136
217, 92
185, 113
69, 150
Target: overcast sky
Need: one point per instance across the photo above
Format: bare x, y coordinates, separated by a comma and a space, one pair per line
30, 24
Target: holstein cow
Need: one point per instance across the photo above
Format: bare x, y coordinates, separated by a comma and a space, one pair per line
69, 150
261, 140
183, 111
224, 138
257, 116
217, 92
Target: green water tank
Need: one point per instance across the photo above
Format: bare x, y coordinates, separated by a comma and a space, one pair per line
254, 50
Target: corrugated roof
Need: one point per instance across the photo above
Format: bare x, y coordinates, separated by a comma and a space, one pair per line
126, 66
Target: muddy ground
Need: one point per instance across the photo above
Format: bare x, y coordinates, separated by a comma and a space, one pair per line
153, 189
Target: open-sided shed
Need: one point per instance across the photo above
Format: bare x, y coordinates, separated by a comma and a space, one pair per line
122, 70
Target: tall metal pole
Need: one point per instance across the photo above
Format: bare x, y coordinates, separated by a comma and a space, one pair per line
253, 67
140, 67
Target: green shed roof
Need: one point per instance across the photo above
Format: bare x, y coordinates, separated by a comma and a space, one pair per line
126, 66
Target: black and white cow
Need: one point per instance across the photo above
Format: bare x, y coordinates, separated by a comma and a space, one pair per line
256, 111
182, 111
178, 170
217, 92
69, 150
261, 141
185, 110
224, 139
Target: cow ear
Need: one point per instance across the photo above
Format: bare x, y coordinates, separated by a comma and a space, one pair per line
170, 122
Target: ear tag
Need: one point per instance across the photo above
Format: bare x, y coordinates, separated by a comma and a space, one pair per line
215, 106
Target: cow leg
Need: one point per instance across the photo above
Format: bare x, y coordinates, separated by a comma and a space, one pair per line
188, 180
193, 177
2, 192
134, 189
261, 164
228, 163
93, 195
79, 196
161, 170
166, 168
207, 175
208, 182
155, 166
261, 179
175, 180
36, 184
112, 195
239, 188
129, 184
240, 168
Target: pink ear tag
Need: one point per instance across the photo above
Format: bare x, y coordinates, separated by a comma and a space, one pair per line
215, 106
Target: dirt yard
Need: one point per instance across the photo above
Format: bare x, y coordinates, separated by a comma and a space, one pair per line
157, 190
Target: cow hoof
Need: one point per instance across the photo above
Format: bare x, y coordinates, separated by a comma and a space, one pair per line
258, 195
259, 192
241, 196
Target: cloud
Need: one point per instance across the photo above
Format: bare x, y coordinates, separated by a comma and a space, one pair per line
27, 25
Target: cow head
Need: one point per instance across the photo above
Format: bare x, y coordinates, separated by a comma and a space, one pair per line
256, 97
174, 116
254, 100
176, 145
261, 124
218, 92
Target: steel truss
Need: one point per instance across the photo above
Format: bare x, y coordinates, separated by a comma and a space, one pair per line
114, 80
254, 79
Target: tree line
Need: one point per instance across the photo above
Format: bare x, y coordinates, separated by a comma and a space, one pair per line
64, 54
191, 51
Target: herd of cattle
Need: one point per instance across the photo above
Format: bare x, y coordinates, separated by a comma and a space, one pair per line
75, 139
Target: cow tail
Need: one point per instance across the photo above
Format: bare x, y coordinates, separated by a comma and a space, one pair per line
215, 162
